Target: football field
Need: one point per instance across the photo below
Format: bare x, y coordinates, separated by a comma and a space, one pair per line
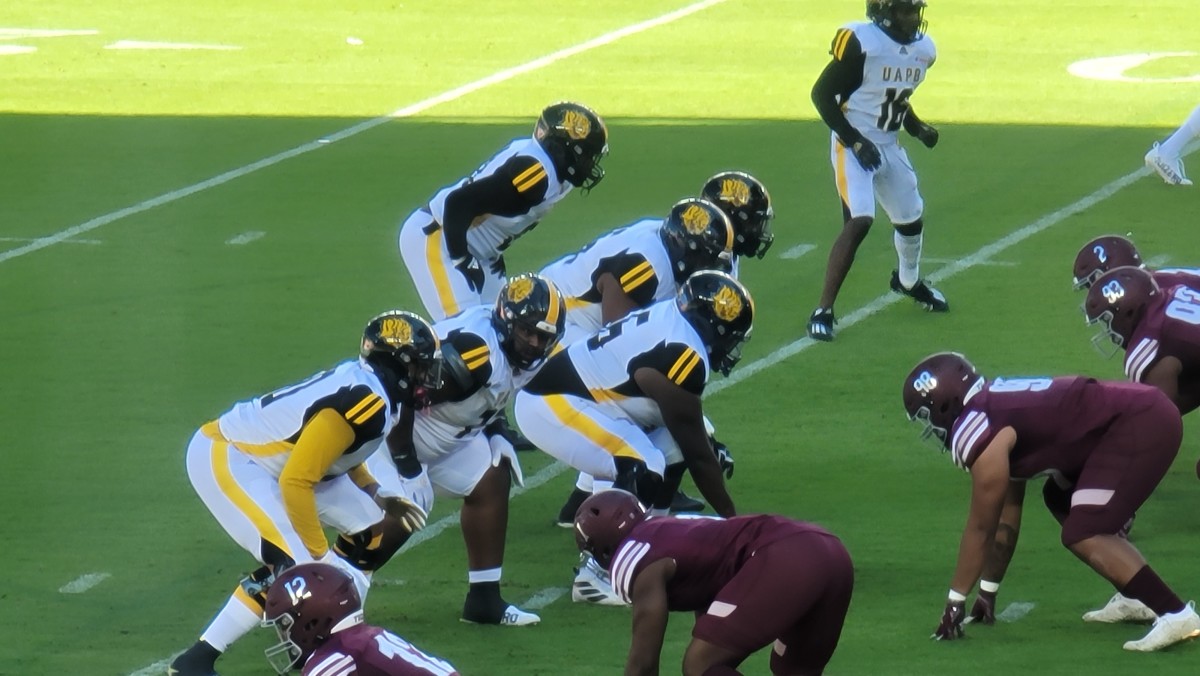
199, 203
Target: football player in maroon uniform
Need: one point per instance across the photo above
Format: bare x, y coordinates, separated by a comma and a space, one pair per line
1157, 326
1104, 447
315, 609
1109, 252
752, 581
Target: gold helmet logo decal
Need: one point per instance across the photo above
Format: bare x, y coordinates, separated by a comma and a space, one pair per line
395, 331
576, 125
519, 289
695, 219
735, 192
727, 305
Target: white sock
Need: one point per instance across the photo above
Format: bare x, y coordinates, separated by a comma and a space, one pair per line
233, 622
908, 249
584, 482
1173, 147
488, 575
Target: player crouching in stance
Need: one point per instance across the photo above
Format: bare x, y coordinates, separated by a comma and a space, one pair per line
317, 613
277, 468
752, 581
1105, 447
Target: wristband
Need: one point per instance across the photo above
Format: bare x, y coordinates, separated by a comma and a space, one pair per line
989, 587
955, 597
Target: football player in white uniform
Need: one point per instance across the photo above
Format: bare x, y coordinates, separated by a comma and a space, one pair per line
275, 469
863, 96
624, 404
489, 353
453, 247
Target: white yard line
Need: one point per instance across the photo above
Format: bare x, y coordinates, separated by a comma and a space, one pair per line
947, 261
408, 111
797, 251
1015, 611
246, 237
83, 583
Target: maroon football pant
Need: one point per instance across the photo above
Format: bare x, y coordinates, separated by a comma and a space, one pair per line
794, 593
1122, 471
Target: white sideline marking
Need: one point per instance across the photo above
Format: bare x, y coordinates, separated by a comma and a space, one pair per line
83, 583
139, 44
6, 50
246, 237
797, 251
20, 33
1158, 261
947, 261
69, 241
158, 668
408, 111
1015, 611
544, 598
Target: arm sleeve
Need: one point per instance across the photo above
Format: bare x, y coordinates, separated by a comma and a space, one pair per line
837, 82
324, 438
633, 272
912, 123
512, 190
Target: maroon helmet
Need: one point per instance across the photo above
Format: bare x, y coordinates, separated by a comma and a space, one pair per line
304, 605
1101, 255
1118, 300
604, 520
936, 391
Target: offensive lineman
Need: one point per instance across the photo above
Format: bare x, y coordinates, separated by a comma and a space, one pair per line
453, 247
863, 96
275, 469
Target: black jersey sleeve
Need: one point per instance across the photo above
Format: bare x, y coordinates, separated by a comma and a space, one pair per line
473, 357
512, 190
841, 78
633, 272
680, 363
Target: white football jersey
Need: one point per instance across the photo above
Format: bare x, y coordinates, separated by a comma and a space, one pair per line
440, 429
658, 337
634, 254
489, 235
891, 74
266, 428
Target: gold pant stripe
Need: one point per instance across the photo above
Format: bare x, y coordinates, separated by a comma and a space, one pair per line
578, 422
266, 528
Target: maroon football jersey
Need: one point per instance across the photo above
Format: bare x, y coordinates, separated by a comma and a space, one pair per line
1057, 421
708, 551
365, 650
1168, 277
1171, 327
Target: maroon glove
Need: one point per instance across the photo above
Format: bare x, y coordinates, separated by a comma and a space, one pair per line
984, 610
950, 627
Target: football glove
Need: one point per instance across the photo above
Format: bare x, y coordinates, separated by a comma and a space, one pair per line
950, 627
408, 513
469, 267
984, 610
724, 457
927, 134
867, 154
498, 267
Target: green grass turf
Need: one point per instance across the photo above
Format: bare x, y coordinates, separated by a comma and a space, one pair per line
115, 351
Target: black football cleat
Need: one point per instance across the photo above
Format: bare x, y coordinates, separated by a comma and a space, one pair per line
682, 502
924, 295
820, 324
199, 660
566, 513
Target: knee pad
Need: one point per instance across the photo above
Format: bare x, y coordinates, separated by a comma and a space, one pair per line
370, 549
911, 229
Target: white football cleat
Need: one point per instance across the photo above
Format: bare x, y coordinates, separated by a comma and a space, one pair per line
1121, 609
1169, 169
592, 585
1169, 630
515, 617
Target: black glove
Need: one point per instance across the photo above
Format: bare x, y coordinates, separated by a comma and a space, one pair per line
867, 154
950, 627
724, 457
926, 134
498, 268
469, 267
984, 610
